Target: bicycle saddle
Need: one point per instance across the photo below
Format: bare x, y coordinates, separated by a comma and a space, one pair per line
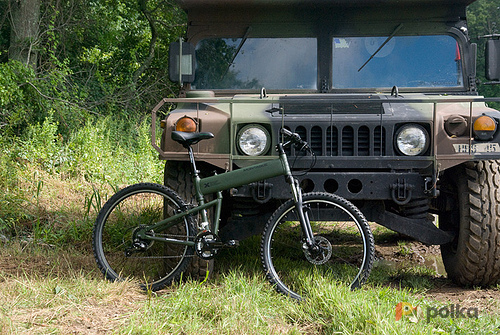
188, 139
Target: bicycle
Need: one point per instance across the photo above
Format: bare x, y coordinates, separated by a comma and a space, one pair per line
146, 232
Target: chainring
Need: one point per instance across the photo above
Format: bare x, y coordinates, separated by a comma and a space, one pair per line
202, 245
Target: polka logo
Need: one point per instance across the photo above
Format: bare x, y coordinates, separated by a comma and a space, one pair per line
405, 309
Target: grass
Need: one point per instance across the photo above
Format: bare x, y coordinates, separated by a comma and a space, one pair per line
58, 291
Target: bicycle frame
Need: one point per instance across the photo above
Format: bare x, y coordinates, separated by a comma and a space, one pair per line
217, 184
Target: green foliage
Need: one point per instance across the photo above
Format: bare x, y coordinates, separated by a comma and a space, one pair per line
43, 145
104, 151
103, 57
483, 17
107, 43
26, 99
16, 98
114, 152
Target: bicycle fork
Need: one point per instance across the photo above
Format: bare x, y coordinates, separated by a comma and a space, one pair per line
303, 217
305, 224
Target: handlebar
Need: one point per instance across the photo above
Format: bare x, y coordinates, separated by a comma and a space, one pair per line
293, 138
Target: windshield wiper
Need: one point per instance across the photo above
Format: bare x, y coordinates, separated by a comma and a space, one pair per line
383, 44
237, 51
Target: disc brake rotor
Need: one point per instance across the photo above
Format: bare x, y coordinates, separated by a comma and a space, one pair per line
322, 255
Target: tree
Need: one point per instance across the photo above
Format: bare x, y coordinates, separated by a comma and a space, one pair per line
100, 56
24, 31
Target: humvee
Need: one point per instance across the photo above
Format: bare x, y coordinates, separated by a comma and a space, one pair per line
384, 92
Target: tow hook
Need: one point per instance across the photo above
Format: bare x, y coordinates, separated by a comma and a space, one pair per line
430, 186
261, 191
401, 191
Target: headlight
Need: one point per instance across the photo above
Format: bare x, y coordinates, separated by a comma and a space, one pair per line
412, 140
253, 140
484, 127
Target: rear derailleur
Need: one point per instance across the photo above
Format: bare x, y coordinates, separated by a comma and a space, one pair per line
138, 244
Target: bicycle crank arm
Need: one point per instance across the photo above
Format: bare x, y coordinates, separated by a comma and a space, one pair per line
220, 245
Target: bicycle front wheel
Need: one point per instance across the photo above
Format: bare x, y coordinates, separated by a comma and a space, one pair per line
344, 245
120, 254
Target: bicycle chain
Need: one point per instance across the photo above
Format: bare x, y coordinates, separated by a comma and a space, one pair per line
162, 257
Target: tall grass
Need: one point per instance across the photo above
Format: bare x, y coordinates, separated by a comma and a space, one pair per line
51, 187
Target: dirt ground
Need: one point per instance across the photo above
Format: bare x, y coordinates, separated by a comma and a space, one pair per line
444, 290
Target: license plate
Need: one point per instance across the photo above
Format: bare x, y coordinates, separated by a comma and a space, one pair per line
477, 148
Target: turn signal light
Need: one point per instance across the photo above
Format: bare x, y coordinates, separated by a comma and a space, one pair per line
186, 124
484, 127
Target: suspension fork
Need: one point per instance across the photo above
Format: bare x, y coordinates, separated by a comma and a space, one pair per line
305, 224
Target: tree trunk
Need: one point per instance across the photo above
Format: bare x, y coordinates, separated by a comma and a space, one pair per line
24, 22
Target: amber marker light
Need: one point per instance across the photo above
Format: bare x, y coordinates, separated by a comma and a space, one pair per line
484, 127
185, 124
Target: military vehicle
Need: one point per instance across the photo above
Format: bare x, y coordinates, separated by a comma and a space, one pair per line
385, 93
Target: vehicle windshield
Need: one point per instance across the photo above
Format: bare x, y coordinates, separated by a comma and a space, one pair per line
291, 63
405, 61
273, 63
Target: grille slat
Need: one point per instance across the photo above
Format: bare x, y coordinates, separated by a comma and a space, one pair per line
363, 141
379, 141
348, 141
316, 140
332, 148
303, 134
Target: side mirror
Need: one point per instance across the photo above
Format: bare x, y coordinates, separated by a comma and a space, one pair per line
492, 59
181, 62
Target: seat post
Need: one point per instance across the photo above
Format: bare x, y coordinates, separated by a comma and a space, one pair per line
192, 161
203, 224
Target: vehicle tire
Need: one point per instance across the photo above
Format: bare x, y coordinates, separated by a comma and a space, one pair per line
473, 258
154, 264
177, 176
338, 226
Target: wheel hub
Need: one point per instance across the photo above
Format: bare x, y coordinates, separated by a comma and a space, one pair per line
320, 253
138, 244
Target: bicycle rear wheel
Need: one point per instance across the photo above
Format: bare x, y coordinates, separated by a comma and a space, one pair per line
120, 254
341, 232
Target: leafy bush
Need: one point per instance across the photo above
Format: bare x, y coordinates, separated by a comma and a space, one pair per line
15, 96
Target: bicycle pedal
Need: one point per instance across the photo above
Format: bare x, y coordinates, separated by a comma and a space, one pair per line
232, 244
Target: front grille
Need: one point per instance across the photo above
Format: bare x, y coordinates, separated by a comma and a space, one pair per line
344, 140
